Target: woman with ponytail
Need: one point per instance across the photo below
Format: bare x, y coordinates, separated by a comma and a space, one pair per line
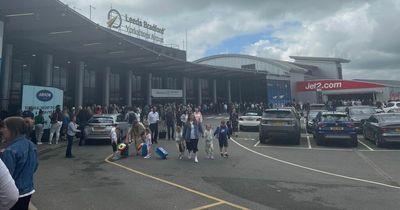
19, 155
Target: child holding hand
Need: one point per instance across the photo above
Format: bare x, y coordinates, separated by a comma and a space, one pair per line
147, 141
209, 146
180, 141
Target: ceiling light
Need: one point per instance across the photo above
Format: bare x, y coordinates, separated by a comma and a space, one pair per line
59, 32
20, 14
91, 44
33, 55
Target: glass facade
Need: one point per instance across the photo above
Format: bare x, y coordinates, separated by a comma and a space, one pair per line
21, 75
115, 84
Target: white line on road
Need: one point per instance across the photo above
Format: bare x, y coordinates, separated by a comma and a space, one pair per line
317, 170
258, 142
308, 141
365, 145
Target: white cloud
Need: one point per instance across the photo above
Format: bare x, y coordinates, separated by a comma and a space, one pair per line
363, 31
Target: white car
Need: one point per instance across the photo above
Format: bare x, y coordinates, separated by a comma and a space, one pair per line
392, 105
250, 119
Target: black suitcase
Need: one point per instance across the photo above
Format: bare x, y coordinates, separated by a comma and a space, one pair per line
162, 134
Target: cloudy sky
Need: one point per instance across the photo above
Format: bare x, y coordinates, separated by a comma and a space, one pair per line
365, 32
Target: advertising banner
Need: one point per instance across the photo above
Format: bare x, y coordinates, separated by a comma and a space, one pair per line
44, 98
166, 93
321, 85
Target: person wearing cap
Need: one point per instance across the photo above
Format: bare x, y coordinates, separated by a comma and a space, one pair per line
135, 134
39, 124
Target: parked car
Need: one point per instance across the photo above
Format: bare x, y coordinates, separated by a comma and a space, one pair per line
280, 123
250, 119
392, 105
312, 114
318, 107
99, 126
334, 125
382, 128
358, 114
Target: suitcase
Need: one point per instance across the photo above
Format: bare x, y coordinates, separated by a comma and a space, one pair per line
144, 149
162, 135
125, 152
162, 153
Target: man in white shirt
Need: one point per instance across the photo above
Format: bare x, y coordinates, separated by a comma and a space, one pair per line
153, 119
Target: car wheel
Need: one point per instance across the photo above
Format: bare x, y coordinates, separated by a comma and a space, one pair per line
354, 142
378, 141
296, 139
365, 135
318, 140
262, 139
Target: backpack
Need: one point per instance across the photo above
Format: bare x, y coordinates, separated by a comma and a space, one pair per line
131, 118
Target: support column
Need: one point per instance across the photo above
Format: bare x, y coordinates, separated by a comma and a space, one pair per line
128, 88
47, 69
80, 69
184, 90
215, 91
149, 87
6, 78
229, 91
199, 92
106, 79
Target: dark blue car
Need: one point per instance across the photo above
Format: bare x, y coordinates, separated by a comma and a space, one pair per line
334, 126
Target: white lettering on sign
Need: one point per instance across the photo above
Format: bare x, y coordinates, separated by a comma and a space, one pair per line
166, 93
323, 86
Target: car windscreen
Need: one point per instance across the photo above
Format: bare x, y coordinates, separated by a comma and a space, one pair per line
334, 118
390, 104
252, 114
356, 111
101, 120
341, 109
312, 115
278, 114
391, 118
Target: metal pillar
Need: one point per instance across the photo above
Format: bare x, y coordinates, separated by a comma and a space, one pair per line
128, 96
149, 87
47, 69
215, 91
106, 79
80, 69
6, 78
229, 91
184, 90
199, 92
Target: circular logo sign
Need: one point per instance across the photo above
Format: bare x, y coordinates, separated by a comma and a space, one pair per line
114, 19
44, 95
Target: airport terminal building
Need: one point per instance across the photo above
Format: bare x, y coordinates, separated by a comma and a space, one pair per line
46, 43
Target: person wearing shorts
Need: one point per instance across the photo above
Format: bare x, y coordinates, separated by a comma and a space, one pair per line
223, 134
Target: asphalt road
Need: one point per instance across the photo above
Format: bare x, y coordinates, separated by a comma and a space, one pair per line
255, 176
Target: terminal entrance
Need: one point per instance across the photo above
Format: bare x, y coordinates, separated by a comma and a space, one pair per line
366, 97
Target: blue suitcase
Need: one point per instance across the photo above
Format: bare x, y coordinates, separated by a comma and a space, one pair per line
162, 152
144, 149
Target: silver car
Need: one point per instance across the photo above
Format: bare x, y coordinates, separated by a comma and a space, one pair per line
280, 123
99, 126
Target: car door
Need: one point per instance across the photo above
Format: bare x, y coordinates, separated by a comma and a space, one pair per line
122, 124
373, 127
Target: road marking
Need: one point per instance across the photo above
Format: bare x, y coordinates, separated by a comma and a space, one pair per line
317, 170
308, 141
365, 145
383, 150
258, 142
380, 171
208, 206
174, 184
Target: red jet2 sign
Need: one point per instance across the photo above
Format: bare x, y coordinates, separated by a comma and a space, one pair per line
333, 85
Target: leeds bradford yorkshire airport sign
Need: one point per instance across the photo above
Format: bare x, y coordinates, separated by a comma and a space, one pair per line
134, 26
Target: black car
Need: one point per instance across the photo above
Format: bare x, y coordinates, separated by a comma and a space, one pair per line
358, 115
382, 128
312, 114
